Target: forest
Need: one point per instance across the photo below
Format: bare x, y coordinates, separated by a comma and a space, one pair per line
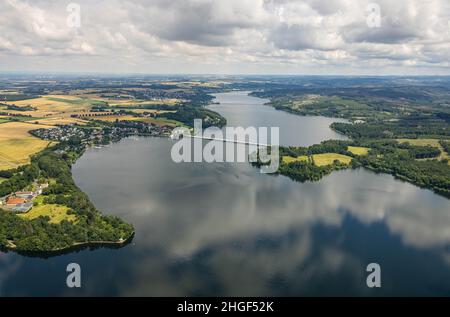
187, 114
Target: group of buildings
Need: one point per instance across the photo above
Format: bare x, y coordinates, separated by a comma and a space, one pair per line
20, 202
89, 136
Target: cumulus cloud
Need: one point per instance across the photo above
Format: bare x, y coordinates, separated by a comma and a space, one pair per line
297, 37
227, 36
209, 23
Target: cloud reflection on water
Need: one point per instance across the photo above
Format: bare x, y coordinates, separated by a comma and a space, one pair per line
235, 231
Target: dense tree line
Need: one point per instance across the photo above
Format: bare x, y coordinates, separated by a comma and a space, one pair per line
187, 114
445, 145
20, 108
6, 173
303, 171
430, 174
18, 179
402, 129
17, 97
420, 152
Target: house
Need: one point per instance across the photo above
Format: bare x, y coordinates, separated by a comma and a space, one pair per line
40, 189
15, 201
25, 195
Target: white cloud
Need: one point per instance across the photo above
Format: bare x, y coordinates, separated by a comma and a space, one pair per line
227, 36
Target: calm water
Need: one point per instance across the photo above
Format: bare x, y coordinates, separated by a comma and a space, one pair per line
245, 111
226, 229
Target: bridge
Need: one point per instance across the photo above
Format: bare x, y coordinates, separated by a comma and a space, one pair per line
226, 140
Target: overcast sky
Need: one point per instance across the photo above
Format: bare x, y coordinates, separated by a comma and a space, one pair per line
227, 36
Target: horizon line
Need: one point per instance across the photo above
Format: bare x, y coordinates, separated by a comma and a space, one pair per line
121, 74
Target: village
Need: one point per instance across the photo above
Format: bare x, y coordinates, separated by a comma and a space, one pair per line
22, 201
88, 136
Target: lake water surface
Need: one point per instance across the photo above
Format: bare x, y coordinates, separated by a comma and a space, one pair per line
226, 229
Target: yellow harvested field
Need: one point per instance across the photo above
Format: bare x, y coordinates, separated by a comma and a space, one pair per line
289, 159
11, 130
56, 213
60, 121
358, 150
329, 158
17, 145
53, 104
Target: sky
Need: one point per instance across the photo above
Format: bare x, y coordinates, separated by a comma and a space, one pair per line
328, 37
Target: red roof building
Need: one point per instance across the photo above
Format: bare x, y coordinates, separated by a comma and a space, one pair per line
15, 201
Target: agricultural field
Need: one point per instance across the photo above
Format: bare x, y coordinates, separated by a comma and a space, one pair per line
56, 213
15, 118
17, 145
307, 99
289, 159
329, 158
54, 104
138, 103
54, 121
421, 142
425, 142
358, 150
318, 159
120, 97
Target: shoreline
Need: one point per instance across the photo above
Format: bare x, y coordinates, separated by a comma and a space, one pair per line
437, 190
11, 246
120, 243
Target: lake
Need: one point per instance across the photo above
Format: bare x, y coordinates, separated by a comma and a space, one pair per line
242, 110
226, 229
